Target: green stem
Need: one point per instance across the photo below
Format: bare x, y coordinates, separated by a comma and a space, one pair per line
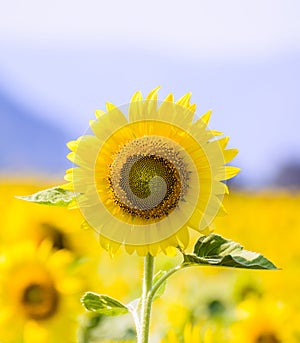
143, 336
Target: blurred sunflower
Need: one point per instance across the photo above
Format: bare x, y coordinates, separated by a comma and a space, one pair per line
263, 322
144, 180
38, 298
38, 224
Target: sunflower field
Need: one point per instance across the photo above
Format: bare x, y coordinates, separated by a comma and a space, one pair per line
48, 261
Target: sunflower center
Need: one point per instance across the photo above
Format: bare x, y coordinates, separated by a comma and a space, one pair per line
267, 338
146, 170
55, 234
148, 177
40, 301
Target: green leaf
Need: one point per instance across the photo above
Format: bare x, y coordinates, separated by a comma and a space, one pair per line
55, 196
215, 250
103, 304
162, 287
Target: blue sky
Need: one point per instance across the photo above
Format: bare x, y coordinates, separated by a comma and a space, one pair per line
241, 58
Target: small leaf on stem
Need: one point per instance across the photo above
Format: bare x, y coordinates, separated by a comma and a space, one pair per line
103, 304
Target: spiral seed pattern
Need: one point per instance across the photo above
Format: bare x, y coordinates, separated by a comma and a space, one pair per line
148, 177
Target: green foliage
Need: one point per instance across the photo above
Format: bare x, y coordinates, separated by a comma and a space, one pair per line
215, 250
55, 196
103, 304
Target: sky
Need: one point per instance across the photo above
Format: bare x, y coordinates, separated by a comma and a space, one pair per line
64, 59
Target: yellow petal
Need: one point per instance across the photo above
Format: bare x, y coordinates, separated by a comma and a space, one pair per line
184, 100
216, 133
154, 249
137, 96
169, 98
142, 250
73, 204
136, 107
73, 145
153, 94
223, 142
129, 249
110, 106
113, 248
99, 113
230, 154
193, 108
67, 186
150, 105
71, 156
85, 226
222, 211
206, 117
170, 251
230, 172
68, 176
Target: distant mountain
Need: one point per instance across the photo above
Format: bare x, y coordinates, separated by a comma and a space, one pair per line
289, 174
29, 144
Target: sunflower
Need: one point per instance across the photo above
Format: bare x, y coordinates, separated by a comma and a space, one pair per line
41, 224
148, 172
265, 321
39, 298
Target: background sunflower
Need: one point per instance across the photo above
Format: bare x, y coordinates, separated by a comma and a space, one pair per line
39, 295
